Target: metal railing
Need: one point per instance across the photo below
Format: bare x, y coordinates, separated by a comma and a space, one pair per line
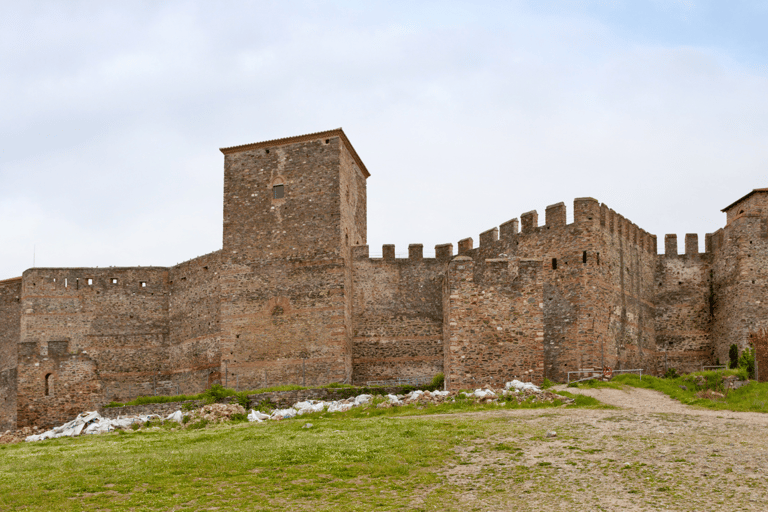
716, 367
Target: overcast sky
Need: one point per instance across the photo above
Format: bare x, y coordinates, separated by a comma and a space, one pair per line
466, 114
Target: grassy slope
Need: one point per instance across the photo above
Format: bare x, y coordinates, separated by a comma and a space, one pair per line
362, 459
750, 398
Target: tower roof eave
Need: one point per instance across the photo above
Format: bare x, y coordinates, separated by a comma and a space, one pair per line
338, 132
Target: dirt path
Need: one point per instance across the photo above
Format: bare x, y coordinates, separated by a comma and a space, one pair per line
651, 453
645, 401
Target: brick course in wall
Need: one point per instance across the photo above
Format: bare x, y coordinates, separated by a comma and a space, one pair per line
293, 297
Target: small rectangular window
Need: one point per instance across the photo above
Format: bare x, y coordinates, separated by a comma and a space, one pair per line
554, 263
114, 280
90, 281
584, 257
143, 284
278, 191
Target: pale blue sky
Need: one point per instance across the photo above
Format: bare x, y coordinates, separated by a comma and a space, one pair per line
466, 113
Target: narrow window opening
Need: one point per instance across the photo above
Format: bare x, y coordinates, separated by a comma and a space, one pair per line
278, 191
114, 280
90, 281
65, 282
267, 151
584, 257
598, 258
554, 263
142, 284
54, 279
48, 384
327, 141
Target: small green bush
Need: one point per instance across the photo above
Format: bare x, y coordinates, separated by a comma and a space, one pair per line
438, 382
747, 362
671, 373
202, 423
547, 384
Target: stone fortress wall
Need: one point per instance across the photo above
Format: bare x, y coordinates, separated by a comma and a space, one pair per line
294, 298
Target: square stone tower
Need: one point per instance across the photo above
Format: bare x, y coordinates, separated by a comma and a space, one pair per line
293, 208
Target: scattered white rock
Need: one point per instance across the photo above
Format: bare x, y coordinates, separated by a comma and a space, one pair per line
177, 416
93, 423
257, 416
522, 386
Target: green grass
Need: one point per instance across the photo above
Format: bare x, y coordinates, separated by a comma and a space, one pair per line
366, 458
584, 401
750, 398
339, 464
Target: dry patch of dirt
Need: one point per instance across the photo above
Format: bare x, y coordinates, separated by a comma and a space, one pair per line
653, 453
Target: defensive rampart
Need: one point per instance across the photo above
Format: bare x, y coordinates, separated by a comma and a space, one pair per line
397, 315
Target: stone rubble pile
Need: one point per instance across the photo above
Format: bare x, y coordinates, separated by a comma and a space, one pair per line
213, 413
16, 436
93, 423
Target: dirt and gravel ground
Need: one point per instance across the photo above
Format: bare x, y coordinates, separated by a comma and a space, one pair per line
650, 453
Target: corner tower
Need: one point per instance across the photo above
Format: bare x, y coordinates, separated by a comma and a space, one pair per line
740, 267
293, 208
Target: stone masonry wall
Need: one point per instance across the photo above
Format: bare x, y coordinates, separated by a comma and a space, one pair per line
597, 284
398, 317
684, 311
740, 275
89, 336
10, 323
194, 325
286, 266
494, 321
626, 289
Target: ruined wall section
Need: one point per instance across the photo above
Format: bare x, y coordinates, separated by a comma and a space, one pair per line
397, 316
684, 302
10, 324
494, 322
285, 263
195, 324
740, 282
89, 336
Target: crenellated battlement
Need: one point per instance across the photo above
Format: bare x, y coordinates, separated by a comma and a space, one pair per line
443, 252
588, 213
712, 242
